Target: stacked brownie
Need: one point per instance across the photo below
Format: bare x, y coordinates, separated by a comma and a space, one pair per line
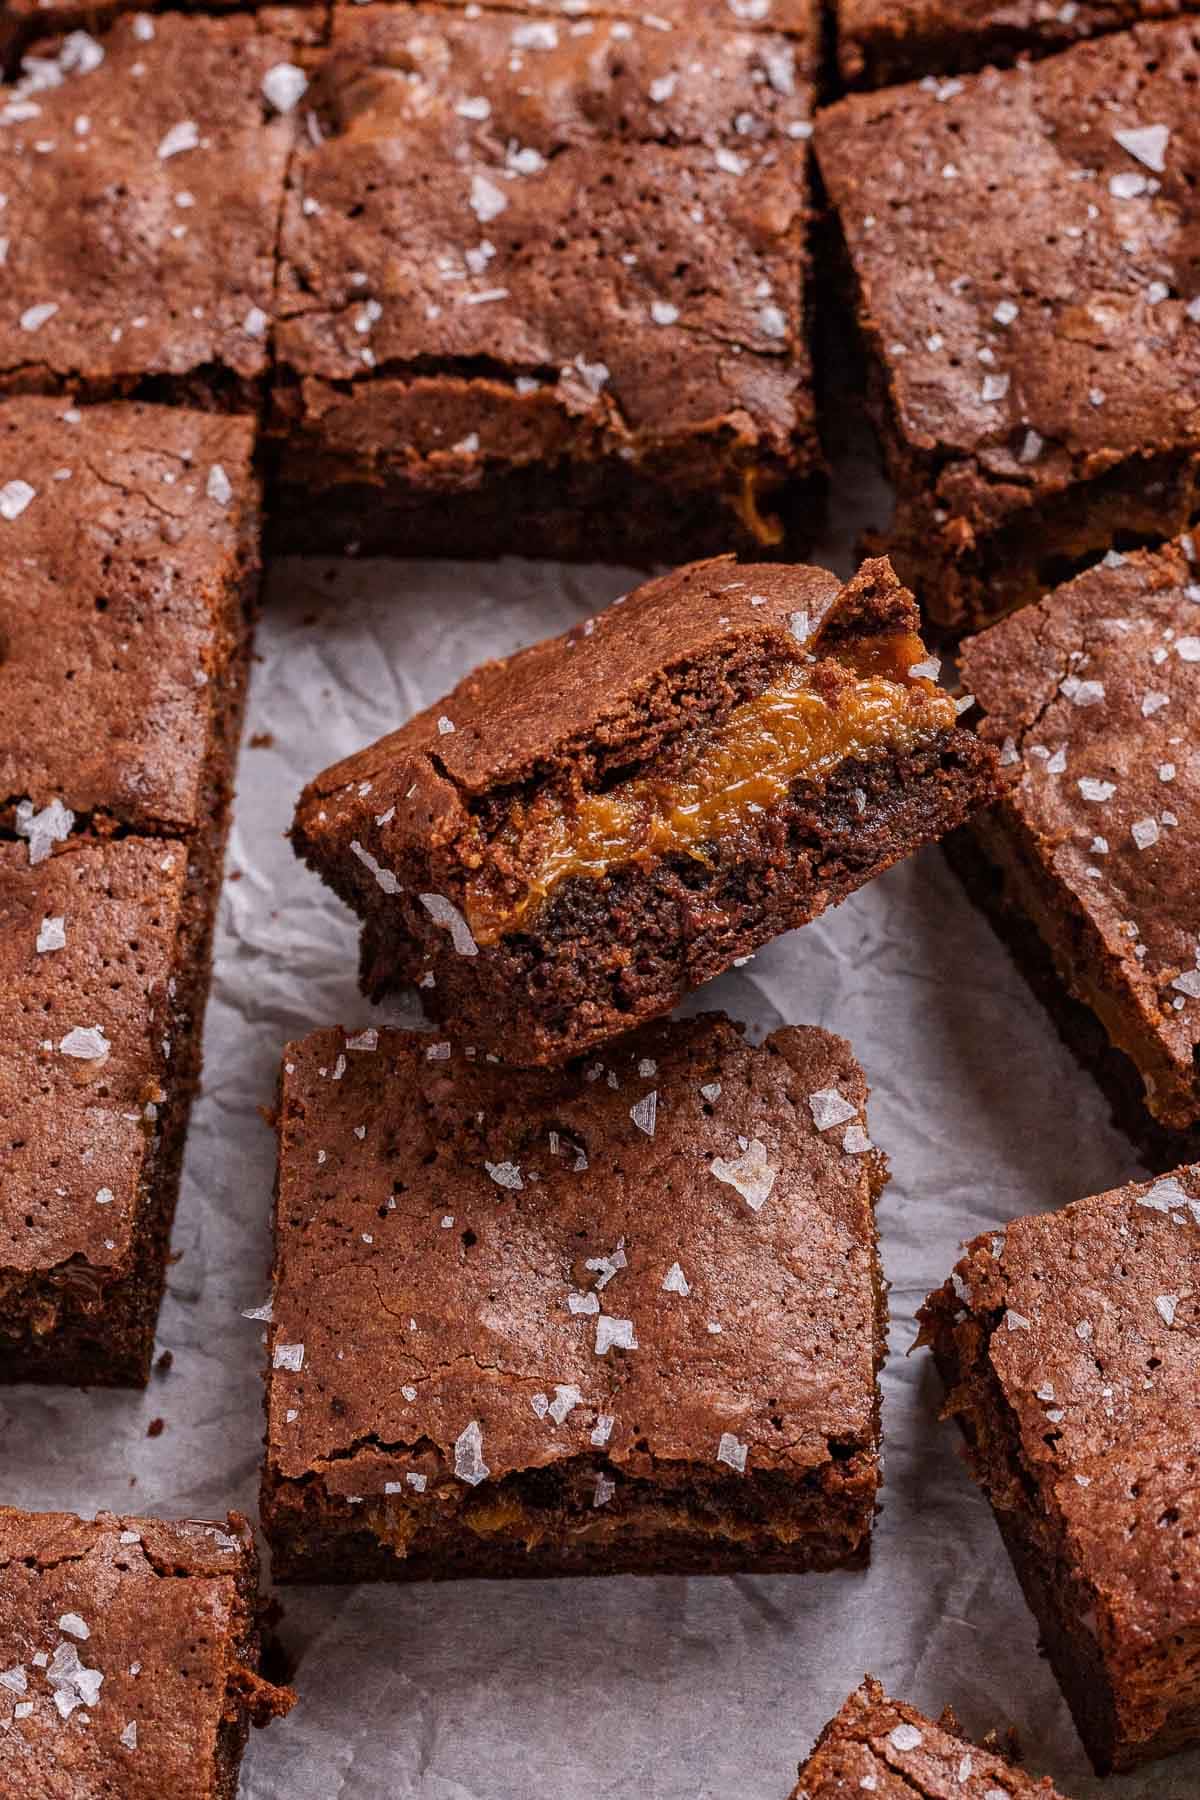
129, 571
129, 1652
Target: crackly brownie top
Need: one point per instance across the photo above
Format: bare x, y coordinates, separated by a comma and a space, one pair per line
893, 1752
797, 16
1094, 1319
143, 173
678, 652
611, 214
1093, 699
939, 35
1023, 242
125, 532
87, 953
664, 1256
119, 1638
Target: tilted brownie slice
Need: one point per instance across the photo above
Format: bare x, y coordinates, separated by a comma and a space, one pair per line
1019, 249
144, 175
882, 1747
1070, 1347
880, 42
621, 1316
129, 1654
128, 579
1088, 863
543, 287
579, 834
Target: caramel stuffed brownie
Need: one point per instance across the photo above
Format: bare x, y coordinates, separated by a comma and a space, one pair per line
126, 586
880, 1746
1017, 244
129, 1654
622, 1316
543, 288
1070, 1349
581, 833
143, 172
880, 42
1087, 865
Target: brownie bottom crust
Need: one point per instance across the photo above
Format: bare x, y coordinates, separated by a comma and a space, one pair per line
608, 512
1077, 1025
607, 954
67, 1326
1110, 1722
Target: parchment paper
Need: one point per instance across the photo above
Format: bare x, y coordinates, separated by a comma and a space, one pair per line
646, 1689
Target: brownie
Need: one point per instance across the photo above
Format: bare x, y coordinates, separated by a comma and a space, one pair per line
890, 1750
126, 590
144, 175
622, 1316
884, 41
1018, 246
129, 1655
582, 832
1071, 1354
543, 288
1087, 864
24, 21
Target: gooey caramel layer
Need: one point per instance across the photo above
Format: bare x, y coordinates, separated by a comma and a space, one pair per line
814, 715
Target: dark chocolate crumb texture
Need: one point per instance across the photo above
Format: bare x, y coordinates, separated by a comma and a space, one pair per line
623, 1316
127, 583
579, 834
543, 286
143, 174
881, 42
129, 1652
881, 1747
1070, 1347
1092, 700
1020, 248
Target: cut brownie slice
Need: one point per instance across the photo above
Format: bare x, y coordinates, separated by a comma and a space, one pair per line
625, 1316
882, 1747
126, 588
144, 175
885, 41
542, 288
581, 833
1093, 699
1019, 248
129, 1653
1070, 1346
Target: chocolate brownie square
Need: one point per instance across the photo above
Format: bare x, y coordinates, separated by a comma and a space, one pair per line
1087, 865
582, 832
126, 588
129, 1654
623, 1316
1070, 1348
884, 41
143, 173
24, 21
882, 1747
1019, 248
543, 288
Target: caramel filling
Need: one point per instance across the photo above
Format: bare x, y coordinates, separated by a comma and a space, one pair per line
814, 715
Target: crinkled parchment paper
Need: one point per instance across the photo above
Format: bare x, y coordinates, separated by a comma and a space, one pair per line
663, 1690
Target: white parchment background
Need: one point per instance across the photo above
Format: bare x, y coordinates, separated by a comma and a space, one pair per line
650, 1690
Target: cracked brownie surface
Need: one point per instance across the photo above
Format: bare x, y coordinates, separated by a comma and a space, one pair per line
625, 1315
533, 267
1020, 249
1070, 1347
879, 1746
582, 832
128, 1656
1092, 699
126, 593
